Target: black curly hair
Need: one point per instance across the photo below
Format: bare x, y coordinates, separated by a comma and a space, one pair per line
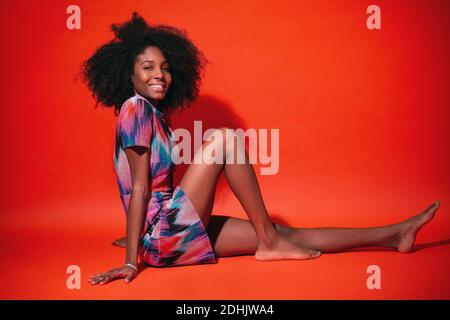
108, 71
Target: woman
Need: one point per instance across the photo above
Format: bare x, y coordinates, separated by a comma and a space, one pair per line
147, 72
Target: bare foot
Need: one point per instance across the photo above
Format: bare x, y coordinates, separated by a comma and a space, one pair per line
410, 227
283, 249
121, 242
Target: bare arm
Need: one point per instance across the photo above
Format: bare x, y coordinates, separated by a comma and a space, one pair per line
138, 158
135, 127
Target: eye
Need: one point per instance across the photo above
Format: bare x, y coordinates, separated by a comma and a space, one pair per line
150, 68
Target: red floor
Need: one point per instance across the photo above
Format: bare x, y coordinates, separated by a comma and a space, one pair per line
36, 253
364, 135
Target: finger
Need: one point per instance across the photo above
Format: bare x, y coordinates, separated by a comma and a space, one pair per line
95, 281
105, 273
102, 276
99, 277
95, 276
130, 277
105, 280
113, 274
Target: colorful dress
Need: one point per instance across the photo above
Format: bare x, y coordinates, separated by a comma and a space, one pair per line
173, 233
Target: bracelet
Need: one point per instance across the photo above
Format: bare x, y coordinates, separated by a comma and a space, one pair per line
132, 266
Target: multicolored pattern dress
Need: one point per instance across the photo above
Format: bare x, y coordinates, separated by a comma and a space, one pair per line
173, 233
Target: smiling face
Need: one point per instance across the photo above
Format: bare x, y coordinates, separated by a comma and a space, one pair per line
151, 77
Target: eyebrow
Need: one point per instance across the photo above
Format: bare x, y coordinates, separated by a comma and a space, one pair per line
154, 61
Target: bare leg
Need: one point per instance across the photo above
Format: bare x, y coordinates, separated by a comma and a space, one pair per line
223, 231
259, 236
400, 236
199, 183
121, 242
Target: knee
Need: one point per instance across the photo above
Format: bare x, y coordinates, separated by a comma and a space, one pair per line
222, 131
223, 136
229, 139
230, 142
228, 134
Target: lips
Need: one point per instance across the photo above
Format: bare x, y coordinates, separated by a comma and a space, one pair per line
158, 85
158, 88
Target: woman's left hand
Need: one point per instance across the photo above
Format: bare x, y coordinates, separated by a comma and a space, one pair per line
124, 271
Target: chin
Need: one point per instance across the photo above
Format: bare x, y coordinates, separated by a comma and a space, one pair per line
155, 97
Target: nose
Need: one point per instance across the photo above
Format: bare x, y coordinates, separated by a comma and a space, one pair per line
158, 74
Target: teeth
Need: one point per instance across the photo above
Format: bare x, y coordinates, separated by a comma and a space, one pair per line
157, 85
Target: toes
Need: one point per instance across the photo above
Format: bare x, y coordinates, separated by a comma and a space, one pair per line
437, 204
434, 206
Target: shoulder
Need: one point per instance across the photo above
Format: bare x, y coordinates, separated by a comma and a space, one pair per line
135, 106
135, 102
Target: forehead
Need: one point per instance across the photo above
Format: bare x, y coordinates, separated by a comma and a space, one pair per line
151, 54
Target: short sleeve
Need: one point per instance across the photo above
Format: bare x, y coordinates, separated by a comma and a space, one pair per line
135, 124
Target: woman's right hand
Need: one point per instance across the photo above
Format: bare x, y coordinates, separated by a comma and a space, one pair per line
124, 271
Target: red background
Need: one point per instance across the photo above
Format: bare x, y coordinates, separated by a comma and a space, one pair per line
363, 119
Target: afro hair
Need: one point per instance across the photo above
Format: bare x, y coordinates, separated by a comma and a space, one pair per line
108, 71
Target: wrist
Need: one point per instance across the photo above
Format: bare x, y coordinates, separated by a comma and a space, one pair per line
131, 257
131, 261
132, 266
